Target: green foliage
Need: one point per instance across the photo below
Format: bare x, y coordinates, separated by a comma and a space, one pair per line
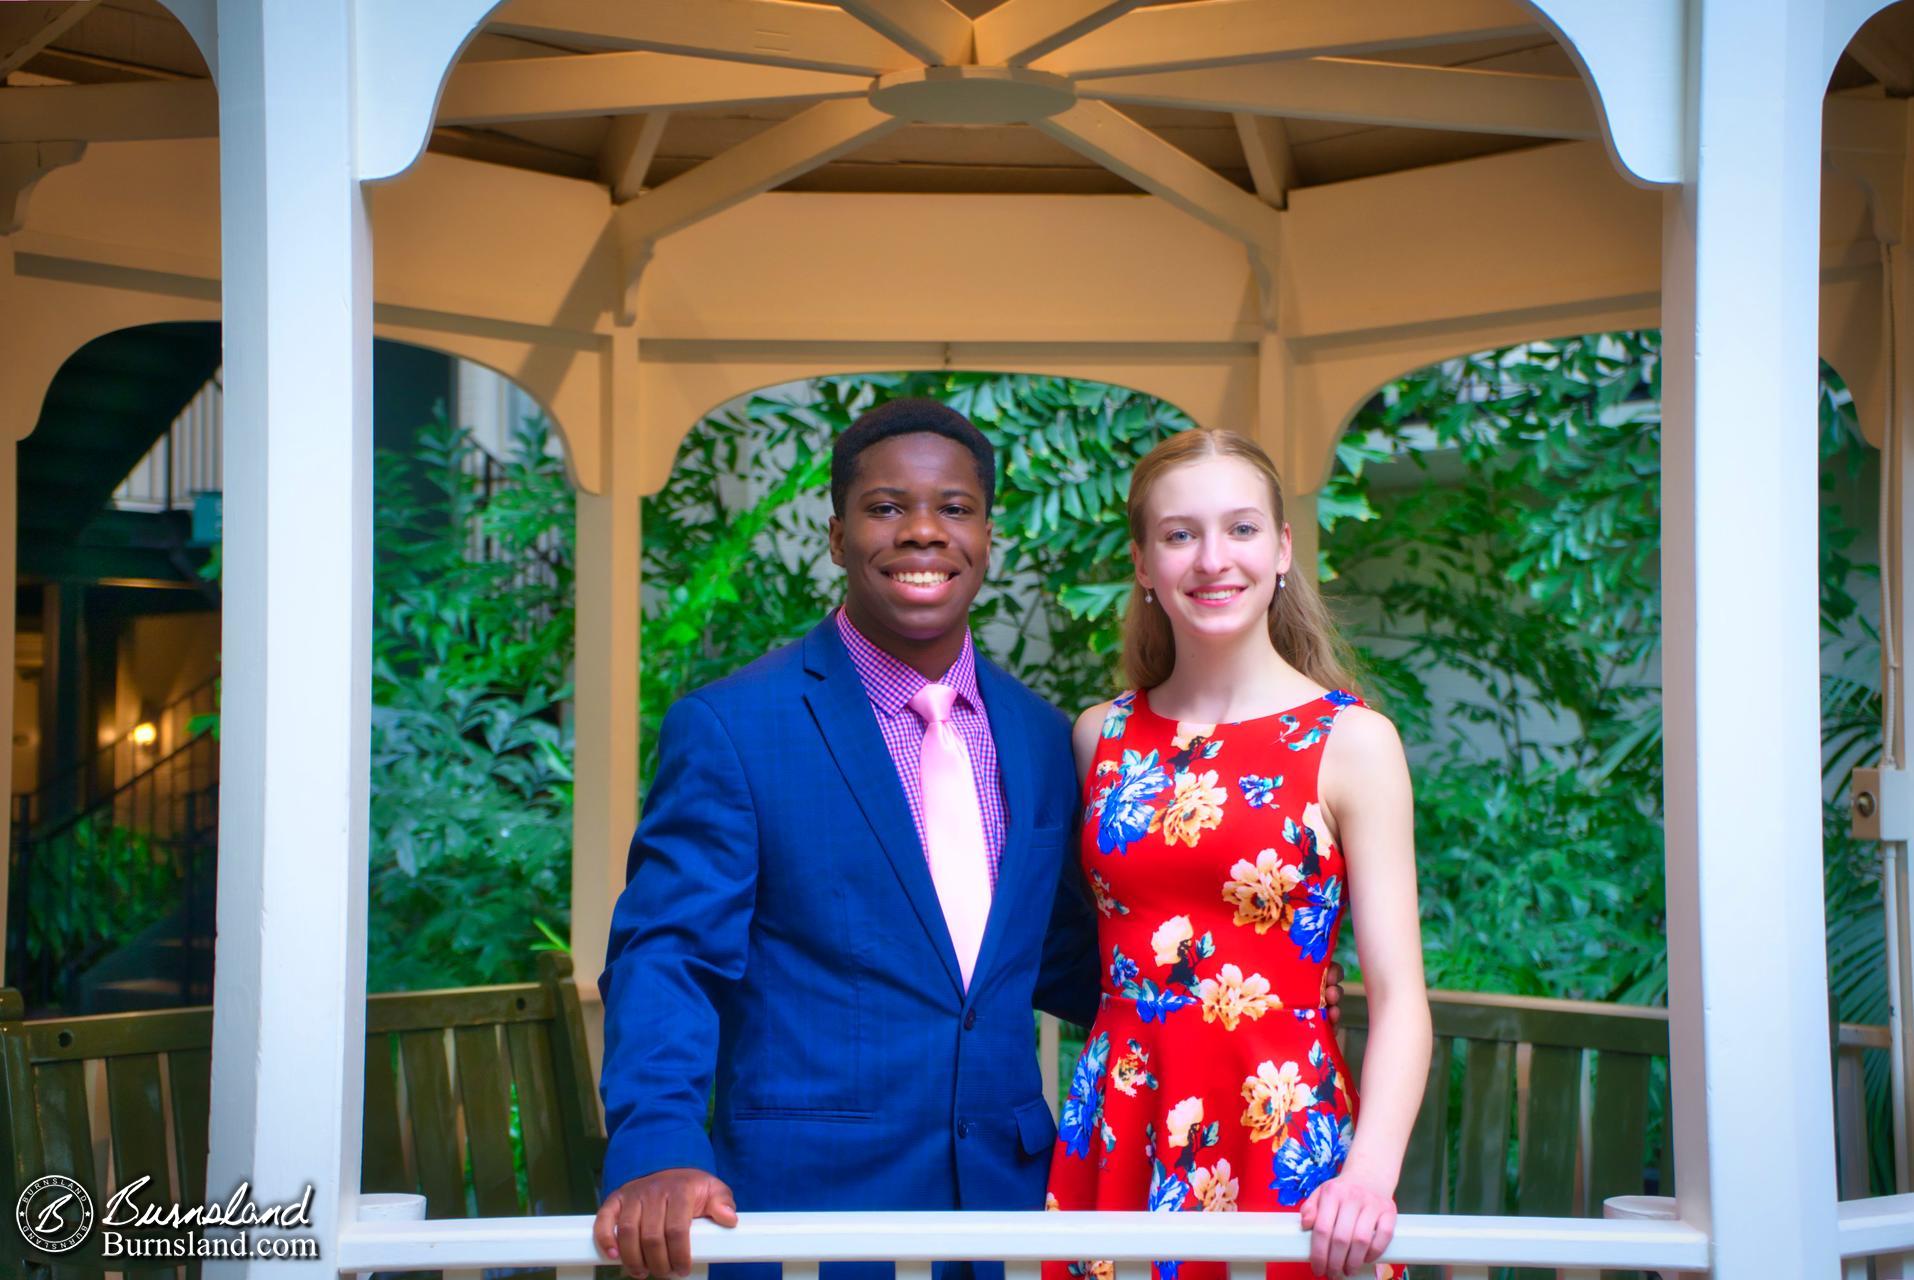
736, 552
1524, 585
93, 888
471, 757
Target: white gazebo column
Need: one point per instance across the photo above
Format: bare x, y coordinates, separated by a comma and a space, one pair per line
1741, 647
289, 995
605, 724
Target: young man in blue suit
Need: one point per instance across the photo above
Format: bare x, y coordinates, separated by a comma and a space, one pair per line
817, 923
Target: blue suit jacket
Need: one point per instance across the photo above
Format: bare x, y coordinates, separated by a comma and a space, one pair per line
779, 931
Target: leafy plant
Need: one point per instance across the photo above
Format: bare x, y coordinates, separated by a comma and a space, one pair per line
471, 752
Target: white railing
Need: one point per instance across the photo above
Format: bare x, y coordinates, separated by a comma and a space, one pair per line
1880, 1229
1470, 1247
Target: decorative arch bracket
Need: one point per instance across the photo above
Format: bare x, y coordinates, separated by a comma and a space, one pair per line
1635, 55
402, 52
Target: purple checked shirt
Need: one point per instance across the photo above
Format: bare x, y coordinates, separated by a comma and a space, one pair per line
891, 685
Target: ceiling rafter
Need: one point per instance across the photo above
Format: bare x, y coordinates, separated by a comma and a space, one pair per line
55, 25
1356, 91
476, 93
1217, 33
125, 111
1126, 148
625, 159
1017, 32
935, 31
776, 33
596, 84
1272, 164
769, 159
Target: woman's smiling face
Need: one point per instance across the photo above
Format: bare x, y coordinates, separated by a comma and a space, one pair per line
1212, 549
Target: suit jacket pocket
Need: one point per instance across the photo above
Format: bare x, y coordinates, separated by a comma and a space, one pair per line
1036, 1128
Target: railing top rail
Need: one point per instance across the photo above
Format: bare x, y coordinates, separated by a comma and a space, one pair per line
1027, 1237
1876, 1225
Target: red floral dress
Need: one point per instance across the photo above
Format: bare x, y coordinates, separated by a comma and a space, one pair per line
1210, 1081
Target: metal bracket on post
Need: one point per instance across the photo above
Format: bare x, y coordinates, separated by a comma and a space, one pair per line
1880, 807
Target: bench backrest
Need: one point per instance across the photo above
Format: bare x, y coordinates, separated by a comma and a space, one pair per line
104, 1099
1568, 1086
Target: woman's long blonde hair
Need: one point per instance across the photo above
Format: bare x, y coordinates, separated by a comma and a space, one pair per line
1299, 623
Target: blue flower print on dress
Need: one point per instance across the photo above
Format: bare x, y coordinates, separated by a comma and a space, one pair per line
1082, 1113
1258, 791
1303, 837
1152, 1004
1305, 1164
1123, 808
1341, 698
1122, 970
1316, 734
1118, 715
1314, 923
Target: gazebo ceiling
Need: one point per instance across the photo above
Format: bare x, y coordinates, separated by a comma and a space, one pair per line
1303, 130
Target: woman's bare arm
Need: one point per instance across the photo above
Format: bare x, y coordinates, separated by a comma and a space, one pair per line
1368, 804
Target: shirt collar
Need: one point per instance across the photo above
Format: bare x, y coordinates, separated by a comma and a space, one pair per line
892, 683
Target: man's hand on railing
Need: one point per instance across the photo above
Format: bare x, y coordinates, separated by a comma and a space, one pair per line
1350, 1223
1332, 995
645, 1225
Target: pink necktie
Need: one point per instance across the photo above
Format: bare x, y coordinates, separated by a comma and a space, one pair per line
953, 825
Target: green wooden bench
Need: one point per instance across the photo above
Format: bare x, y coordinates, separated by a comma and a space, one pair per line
1567, 1086
127, 1094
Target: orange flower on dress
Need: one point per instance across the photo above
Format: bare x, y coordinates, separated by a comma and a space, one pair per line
1196, 807
1260, 891
1274, 1094
1215, 1189
1229, 997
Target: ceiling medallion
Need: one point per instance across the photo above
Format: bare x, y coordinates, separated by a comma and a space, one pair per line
972, 95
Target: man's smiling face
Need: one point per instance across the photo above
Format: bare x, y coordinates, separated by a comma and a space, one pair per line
914, 541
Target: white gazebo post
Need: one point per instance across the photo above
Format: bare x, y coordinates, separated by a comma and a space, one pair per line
1741, 649
296, 271
315, 98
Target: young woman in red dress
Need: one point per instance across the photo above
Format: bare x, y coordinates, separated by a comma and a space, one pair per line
1239, 801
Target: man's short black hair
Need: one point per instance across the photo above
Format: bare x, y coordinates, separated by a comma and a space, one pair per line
902, 418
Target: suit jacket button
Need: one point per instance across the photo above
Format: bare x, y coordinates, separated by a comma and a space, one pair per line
970, 1020
963, 1128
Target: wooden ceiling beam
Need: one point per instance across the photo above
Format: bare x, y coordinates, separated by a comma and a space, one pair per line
1355, 91
1218, 33
1272, 165
1018, 32
935, 31
625, 159
1126, 148
766, 160
126, 111
777, 33
45, 31
598, 84
476, 93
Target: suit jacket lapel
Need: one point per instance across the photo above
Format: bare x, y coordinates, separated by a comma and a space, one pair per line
1012, 737
843, 712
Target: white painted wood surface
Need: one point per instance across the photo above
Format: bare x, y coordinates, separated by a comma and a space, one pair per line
1132, 1240
288, 1052
1748, 1013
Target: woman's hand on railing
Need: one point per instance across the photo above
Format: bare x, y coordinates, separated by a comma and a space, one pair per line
645, 1225
1350, 1220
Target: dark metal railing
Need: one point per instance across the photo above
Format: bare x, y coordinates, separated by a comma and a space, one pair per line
84, 783
88, 884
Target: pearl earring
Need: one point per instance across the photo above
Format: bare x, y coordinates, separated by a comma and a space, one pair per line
1282, 580
1148, 598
